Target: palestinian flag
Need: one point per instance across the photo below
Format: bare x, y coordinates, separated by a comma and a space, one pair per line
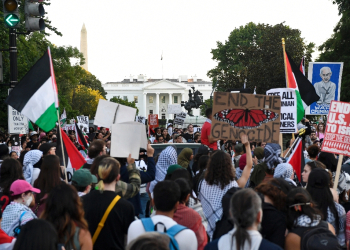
30, 126
304, 90
35, 96
302, 65
296, 159
72, 156
81, 138
63, 119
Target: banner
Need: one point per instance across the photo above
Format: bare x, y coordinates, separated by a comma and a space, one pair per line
68, 127
17, 123
83, 123
326, 78
337, 136
288, 109
174, 109
180, 118
257, 116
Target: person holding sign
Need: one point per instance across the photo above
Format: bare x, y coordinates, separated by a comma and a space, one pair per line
206, 138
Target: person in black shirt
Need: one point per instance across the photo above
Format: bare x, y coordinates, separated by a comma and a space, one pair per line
189, 136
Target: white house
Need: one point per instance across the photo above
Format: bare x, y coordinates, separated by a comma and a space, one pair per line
152, 96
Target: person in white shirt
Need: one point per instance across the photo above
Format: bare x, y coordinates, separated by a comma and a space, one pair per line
166, 196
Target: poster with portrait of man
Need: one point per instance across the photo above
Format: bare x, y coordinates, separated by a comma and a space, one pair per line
326, 79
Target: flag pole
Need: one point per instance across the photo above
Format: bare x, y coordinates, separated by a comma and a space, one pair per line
63, 156
291, 147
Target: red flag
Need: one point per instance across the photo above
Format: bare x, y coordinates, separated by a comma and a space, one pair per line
296, 158
302, 66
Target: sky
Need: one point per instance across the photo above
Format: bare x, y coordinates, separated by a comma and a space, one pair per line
129, 37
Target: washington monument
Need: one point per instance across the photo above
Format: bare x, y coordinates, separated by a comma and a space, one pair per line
83, 46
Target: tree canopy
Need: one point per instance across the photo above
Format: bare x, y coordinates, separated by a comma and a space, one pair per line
121, 101
254, 53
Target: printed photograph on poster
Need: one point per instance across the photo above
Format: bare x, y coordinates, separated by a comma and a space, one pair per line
83, 123
180, 118
140, 119
326, 79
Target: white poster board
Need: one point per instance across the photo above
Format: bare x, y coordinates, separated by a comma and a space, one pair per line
197, 129
68, 127
83, 123
17, 123
174, 109
108, 113
288, 109
128, 138
180, 118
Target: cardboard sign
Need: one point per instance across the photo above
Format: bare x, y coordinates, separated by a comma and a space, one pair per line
83, 123
337, 136
326, 78
174, 109
180, 118
17, 123
109, 113
128, 138
288, 109
257, 116
141, 119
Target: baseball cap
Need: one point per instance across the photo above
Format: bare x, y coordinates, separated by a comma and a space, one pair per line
83, 177
33, 133
204, 149
46, 147
22, 186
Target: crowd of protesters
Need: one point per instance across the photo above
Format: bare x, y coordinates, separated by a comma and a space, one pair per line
224, 195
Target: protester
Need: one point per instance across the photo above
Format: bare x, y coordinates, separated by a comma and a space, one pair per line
334, 213
238, 153
166, 136
96, 203
185, 157
189, 136
10, 171
219, 178
4, 152
48, 148
188, 217
33, 139
247, 215
31, 165
6, 242
320, 130
177, 138
286, 172
206, 138
14, 155
82, 180
166, 196
18, 213
37, 235
96, 148
202, 150
49, 177
199, 176
151, 240
302, 217
309, 167
167, 157
65, 211
312, 151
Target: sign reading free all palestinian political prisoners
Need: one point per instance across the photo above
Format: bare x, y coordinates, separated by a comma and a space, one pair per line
83, 123
288, 109
337, 136
257, 116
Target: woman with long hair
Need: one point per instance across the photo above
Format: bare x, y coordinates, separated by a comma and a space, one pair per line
49, 177
333, 212
65, 211
219, 178
302, 215
320, 130
166, 136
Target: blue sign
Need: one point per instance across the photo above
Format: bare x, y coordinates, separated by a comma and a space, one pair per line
326, 79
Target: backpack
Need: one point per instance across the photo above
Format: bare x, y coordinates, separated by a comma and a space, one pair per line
319, 238
17, 229
171, 232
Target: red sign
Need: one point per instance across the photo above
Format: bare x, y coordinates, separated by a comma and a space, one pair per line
153, 120
337, 136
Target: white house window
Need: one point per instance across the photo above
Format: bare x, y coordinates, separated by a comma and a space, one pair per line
151, 99
163, 116
125, 98
151, 111
163, 99
175, 99
136, 99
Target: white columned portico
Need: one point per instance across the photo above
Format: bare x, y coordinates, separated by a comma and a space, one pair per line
144, 105
170, 116
157, 104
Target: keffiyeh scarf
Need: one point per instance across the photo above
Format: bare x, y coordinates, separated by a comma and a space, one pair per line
30, 159
167, 157
305, 221
285, 171
272, 154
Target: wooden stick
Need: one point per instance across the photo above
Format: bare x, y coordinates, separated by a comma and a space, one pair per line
336, 180
290, 150
281, 141
285, 65
62, 148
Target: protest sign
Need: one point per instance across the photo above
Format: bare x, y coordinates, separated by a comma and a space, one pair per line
288, 109
83, 123
257, 116
152, 123
68, 127
180, 118
108, 113
17, 123
326, 79
197, 129
128, 138
174, 109
141, 119
70, 172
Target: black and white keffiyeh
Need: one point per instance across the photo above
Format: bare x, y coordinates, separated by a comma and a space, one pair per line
342, 222
305, 221
285, 171
272, 152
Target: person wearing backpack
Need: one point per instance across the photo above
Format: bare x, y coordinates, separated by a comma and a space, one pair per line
307, 230
166, 197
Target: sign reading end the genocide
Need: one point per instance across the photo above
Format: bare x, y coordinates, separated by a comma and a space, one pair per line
288, 109
257, 116
337, 136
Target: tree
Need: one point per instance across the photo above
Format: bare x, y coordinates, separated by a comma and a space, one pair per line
90, 81
119, 100
254, 53
85, 101
208, 104
337, 48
